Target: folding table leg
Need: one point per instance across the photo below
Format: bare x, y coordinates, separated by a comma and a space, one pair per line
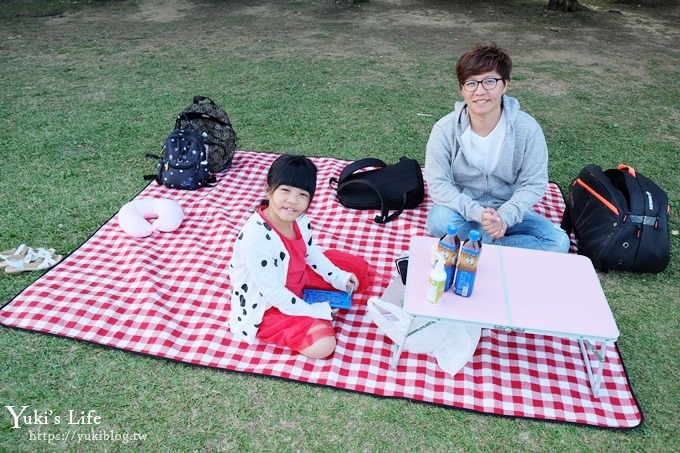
595, 379
397, 348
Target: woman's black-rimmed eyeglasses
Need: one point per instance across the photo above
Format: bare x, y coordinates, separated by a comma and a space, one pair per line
488, 84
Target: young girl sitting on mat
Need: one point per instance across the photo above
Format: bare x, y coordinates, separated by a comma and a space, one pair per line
275, 258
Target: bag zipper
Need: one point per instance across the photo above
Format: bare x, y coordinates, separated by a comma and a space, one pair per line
594, 193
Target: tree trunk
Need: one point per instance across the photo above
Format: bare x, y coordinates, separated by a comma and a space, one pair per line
563, 5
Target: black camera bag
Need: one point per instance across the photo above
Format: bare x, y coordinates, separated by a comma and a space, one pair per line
619, 218
385, 187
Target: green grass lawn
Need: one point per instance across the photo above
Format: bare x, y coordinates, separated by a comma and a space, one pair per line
89, 87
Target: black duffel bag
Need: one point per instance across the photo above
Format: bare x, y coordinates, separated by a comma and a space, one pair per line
619, 218
380, 186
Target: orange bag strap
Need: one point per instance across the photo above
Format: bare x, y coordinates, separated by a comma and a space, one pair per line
628, 168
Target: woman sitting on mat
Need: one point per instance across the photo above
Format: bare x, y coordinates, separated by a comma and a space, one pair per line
486, 163
275, 258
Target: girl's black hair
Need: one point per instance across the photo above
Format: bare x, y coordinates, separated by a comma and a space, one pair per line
294, 171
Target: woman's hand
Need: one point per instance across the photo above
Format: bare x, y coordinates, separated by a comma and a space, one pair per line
493, 224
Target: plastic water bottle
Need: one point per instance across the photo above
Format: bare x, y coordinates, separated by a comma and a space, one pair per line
467, 265
435, 287
448, 248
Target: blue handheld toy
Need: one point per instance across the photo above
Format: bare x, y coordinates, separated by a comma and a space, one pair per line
336, 299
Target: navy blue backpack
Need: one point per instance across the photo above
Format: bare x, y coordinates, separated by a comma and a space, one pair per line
183, 163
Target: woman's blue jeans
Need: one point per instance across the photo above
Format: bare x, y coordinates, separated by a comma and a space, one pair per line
533, 232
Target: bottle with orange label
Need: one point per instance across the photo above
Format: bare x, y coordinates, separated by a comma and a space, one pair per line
448, 248
467, 264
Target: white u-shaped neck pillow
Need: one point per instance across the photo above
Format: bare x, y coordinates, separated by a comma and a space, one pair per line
166, 216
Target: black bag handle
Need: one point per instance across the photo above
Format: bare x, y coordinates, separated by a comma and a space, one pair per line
188, 116
384, 216
356, 166
200, 99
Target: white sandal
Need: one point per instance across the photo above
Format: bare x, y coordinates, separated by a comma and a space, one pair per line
14, 253
33, 260
20, 253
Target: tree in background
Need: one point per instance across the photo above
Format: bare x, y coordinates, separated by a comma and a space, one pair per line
573, 5
563, 5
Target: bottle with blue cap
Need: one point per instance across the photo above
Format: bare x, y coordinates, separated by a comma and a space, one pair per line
467, 264
448, 248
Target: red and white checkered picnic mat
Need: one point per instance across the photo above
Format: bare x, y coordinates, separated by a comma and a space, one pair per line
166, 296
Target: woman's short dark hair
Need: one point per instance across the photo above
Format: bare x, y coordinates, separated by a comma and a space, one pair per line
294, 171
486, 57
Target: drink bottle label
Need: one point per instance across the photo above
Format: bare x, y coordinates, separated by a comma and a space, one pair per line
450, 275
449, 251
435, 290
468, 259
466, 271
465, 281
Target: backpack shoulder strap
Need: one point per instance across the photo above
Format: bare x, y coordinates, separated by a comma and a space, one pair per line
645, 203
356, 166
384, 216
636, 204
188, 116
566, 223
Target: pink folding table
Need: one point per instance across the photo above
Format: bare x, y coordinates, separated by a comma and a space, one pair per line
520, 290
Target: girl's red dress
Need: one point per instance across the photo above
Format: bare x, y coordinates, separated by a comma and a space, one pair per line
300, 332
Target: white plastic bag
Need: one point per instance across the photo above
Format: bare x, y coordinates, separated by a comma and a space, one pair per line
452, 345
393, 321
458, 349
